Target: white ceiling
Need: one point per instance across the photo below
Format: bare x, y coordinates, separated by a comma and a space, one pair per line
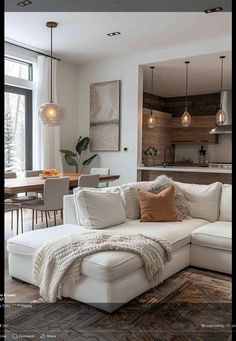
204, 75
82, 37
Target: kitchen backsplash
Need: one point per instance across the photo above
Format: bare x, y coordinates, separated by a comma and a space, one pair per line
221, 152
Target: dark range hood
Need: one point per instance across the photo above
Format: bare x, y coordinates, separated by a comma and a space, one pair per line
226, 128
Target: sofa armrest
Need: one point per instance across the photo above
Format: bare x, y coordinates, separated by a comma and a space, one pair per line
69, 216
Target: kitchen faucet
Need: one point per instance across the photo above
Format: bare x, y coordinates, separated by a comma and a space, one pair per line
164, 163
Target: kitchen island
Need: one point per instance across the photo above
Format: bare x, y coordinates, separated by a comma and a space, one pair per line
200, 175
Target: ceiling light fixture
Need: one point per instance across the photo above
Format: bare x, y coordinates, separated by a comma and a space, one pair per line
212, 10
151, 120
113, 34
24, 3
50, 113
221, 116
186, 117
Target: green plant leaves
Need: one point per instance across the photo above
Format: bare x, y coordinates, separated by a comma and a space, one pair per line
67, 152
73, 159
88, 161
82, 144
70, 160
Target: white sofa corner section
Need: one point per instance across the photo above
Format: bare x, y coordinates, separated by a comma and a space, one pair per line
110, 279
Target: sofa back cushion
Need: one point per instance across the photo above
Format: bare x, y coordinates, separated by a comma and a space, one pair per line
99, 209
226, 203
204, 200
130, 199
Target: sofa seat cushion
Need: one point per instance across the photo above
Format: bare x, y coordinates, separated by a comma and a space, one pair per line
217, 235
108, 265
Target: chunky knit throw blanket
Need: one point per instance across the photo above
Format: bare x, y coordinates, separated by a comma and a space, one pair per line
58, 260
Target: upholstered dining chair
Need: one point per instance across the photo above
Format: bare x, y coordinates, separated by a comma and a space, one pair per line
88, 180
34, 173
11, 208
31, 173
54, 191
104, 171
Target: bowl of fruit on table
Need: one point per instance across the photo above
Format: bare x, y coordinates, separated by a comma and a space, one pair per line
49, 173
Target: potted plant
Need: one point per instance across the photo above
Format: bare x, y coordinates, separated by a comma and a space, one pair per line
150, 152
75, 158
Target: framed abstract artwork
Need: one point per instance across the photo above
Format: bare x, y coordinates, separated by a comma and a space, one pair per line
105, 116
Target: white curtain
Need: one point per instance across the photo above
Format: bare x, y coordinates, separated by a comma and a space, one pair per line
46, 139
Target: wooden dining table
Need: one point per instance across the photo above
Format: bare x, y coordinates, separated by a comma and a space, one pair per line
36, 184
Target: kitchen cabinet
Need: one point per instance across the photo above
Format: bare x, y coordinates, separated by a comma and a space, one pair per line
197, 133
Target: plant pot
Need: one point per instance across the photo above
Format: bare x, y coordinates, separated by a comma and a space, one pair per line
150, 161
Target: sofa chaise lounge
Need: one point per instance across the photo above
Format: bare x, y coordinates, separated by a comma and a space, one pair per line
110, 279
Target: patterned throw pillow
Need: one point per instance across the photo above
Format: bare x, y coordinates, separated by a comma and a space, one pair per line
181, 203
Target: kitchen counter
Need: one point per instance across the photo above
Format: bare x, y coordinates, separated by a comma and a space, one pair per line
188, 169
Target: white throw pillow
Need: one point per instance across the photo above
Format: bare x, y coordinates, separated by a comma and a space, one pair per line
204, 200
91, 189
226, 203
130, 199
98, 209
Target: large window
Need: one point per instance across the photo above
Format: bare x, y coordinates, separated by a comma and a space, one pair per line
18, 129
19, 69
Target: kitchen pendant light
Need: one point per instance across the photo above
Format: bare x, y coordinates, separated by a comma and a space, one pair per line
151, 120
51, 113
186, 117
221, 116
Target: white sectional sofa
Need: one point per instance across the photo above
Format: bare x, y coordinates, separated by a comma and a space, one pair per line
109, 279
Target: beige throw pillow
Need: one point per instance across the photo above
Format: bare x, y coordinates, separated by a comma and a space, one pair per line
99, 209
158, 207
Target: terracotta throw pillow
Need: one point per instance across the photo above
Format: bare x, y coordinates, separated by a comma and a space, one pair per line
158, 207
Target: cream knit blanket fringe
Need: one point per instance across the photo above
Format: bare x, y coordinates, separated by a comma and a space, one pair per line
58, 260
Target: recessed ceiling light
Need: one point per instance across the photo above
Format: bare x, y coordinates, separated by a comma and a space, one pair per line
24, 3
113, 34
211, 10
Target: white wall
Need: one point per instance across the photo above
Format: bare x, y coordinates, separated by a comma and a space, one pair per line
128, 71
67, 94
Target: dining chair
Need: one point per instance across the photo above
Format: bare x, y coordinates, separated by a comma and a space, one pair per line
104, 171
11, 208
88, 180
54, 191
31, 173
34, 173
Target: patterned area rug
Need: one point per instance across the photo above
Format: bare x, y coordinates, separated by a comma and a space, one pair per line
191, 305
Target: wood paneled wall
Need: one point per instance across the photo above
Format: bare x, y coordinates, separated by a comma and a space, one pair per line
198, 105
158, 137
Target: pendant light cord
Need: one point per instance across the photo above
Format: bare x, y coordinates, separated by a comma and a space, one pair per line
152, 68
186, 87
221, 81
51, 64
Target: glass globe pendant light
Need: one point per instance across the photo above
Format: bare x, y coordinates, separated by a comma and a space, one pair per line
151, 120
51, 113
186, 117
221, 116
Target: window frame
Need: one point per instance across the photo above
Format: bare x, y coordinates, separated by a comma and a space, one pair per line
28, 121
19, 61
